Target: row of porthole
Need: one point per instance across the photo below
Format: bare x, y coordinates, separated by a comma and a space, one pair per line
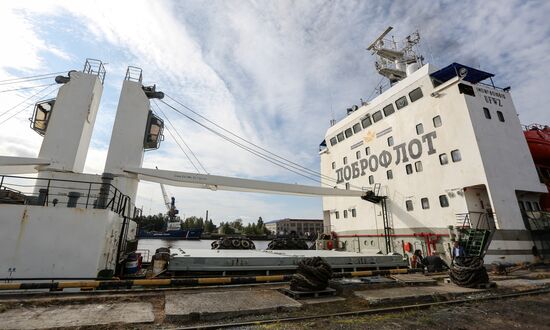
419, 130
400, 103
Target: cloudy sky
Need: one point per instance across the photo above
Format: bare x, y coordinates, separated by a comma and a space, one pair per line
275, 72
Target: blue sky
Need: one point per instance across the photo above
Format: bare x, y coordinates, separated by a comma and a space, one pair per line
273, 71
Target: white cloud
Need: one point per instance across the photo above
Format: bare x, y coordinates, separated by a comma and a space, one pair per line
269, 71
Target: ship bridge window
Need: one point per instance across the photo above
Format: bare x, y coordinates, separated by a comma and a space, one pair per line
347, 185
366, 122
358, 154
388, 110
443, 159
455, 155
500, 116
409, 205
389, 174
529, 206
367, 151
345, 160
487, 113
437, 121
153, 132
425, 203
356, 128
443, 201
418, 166
340, 137
377, 116
401, 102
390, 141
345, 214
333, 165
348, 132
536, 206
337, 215
466, 89
409, 168
371, 179
419, 129
333, 141
416, 94
353, 213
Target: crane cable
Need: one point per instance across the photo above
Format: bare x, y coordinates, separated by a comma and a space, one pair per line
30, 78
26, 100
25, 108
177, 142
288, 162
240, 145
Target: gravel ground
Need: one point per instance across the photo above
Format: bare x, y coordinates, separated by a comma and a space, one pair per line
529, 312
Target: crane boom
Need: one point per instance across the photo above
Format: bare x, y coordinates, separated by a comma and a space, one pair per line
165, 196
215, 182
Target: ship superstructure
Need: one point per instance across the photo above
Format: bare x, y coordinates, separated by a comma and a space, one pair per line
440, 148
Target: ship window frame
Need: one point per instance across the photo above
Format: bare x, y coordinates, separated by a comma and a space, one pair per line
487, 113
340, 136
388, 110
521, 206
443, 160
367, 151
371, 179
500, 116
443, 201
409, 206
418, 166
333, 141
348, 133
377, 116
425, 202
347, 185
358, 154
345, 214
409, 169
333, 165
389, 174
536, 206
356, 128
399, 100
353, 213
437, 121
337, 214
456, 156
345, 160
390, 141
419, 129
367, 120
416, 94
529, 206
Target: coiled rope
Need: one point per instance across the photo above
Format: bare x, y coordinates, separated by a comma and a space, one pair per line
468, 272
313, 274
233, 243
288, 244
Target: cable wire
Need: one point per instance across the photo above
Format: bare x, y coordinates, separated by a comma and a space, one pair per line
23, 88
177, 142
30, 78
27, 99
290, 163
25, 108
182, 140
240, 145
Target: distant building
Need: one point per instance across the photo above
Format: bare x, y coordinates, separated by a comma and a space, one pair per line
300, 227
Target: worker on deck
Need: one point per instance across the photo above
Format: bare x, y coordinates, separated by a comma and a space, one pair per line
417, 260
458, 250
434, 263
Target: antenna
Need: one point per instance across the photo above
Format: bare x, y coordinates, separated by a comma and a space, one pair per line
394, 62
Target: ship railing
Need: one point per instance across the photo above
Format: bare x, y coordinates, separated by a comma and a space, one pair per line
475, 220
66, 193
537, 220
93, 66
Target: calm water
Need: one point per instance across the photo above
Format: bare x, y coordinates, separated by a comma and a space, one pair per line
152, 244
